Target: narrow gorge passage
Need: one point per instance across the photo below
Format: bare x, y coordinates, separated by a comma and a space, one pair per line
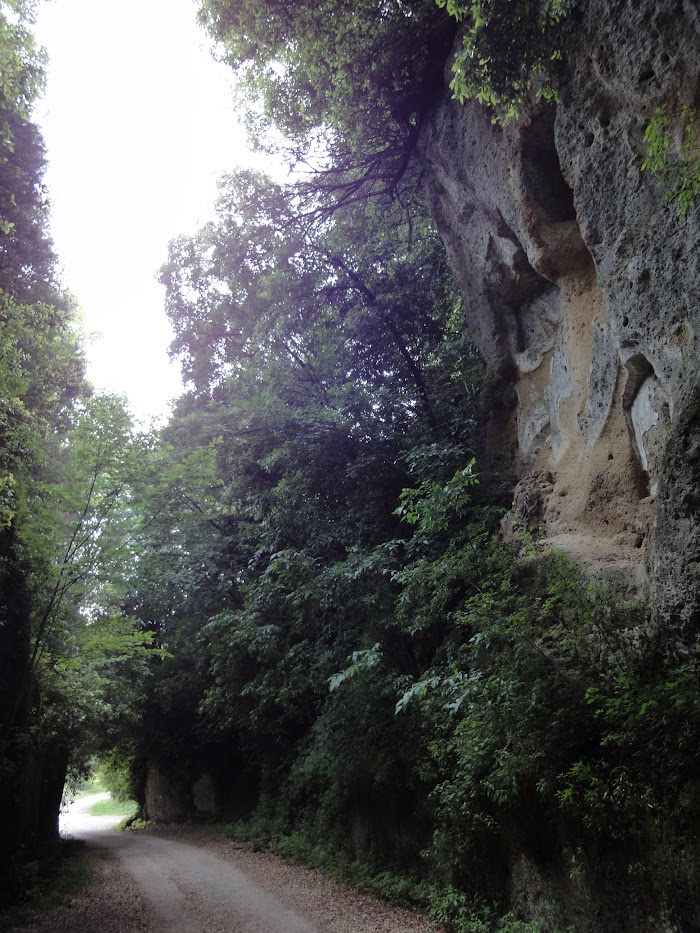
150, 882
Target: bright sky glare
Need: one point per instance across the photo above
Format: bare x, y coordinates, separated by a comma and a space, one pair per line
139, 122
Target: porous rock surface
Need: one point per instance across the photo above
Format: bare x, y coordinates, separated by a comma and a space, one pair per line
582, 289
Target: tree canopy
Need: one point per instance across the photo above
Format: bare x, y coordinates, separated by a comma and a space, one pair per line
297, 587
67, 458
343, 88
346, 89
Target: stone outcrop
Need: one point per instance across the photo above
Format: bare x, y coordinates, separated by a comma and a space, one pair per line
581, 285
167, 797
582, 291
197, 786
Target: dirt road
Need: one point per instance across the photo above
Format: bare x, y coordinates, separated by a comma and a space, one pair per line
190, 880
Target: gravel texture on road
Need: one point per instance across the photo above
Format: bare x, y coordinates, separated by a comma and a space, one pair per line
192, 879
331, 905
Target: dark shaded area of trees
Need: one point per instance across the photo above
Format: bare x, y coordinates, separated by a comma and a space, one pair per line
365, 672
346, 88
297, 587
67, 655
329, 370
40, 377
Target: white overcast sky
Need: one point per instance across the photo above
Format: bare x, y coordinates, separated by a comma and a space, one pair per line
138, 122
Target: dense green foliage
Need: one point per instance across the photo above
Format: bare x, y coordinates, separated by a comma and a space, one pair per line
507, 51
311, 371
50, 883
67, 654
368, 676
297, 587
343, 88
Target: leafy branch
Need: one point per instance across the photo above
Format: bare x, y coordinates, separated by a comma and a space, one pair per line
431, 504
508, 50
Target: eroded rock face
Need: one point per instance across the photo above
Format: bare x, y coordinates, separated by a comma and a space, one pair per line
582, 282
167, 798
676, 544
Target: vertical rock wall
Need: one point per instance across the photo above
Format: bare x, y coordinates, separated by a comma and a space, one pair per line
582, 289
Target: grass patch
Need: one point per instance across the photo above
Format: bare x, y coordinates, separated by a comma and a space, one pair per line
51, 883
111, 807
135, 823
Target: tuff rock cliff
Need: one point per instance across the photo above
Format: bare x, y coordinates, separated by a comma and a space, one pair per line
582, 288
581, 282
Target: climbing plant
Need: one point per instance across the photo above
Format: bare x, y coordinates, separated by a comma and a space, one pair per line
679, 171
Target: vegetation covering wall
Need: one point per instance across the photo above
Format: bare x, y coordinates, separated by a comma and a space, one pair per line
299, 589
378, 674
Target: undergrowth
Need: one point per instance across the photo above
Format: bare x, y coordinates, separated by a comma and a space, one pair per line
50, 883
549, 703
456, 911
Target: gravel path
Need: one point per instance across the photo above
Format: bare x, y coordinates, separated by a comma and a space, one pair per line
187, 879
